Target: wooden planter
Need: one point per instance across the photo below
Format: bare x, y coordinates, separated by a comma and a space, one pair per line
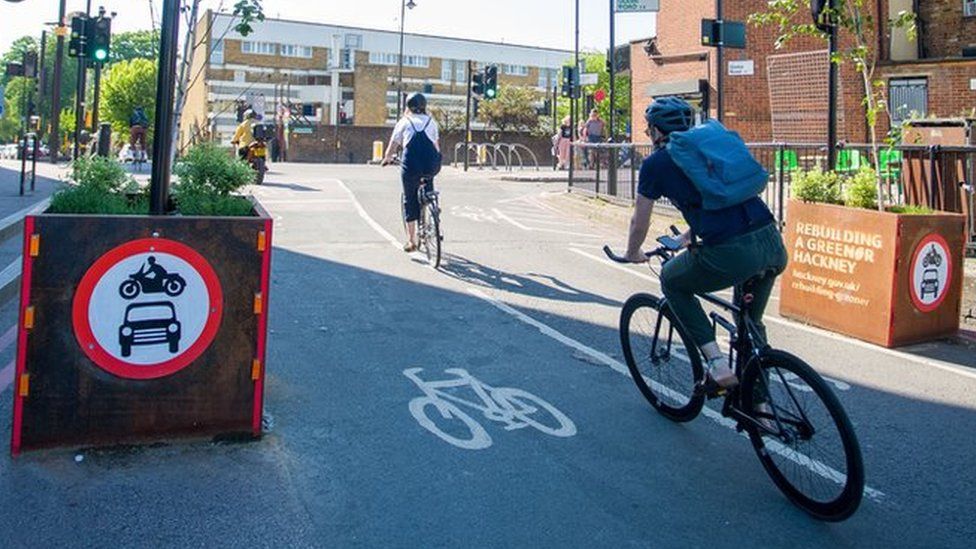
890, 279
103, 358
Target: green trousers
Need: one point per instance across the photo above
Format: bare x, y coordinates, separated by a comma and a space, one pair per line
706, 269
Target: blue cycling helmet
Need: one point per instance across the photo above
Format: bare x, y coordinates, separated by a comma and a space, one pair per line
670, 114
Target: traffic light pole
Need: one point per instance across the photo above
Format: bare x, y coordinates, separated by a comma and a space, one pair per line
612, 66
832, 92
82, 85
467, 121
720, 61
165, 85
572, 103
54, 140
96, 95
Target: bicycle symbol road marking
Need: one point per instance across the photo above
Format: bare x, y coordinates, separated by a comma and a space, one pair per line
514, 408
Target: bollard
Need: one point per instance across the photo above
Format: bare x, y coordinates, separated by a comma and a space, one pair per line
377, 151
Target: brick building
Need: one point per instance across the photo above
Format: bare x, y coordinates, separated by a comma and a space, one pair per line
288, 62
781, 95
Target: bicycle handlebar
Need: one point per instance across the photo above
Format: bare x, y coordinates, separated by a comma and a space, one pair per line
665, 254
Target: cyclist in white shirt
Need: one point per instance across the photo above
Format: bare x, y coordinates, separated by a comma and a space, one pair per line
417, 134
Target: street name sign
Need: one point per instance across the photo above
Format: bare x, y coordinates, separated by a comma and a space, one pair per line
742, 68
633, 6
589, 79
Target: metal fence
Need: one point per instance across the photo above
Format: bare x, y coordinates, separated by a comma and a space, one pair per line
939, 177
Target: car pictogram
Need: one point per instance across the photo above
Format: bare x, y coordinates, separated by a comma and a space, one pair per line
152, 323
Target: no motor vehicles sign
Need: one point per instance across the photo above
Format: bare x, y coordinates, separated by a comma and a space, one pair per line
147, 309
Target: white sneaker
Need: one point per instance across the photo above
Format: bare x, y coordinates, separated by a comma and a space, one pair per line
721, 373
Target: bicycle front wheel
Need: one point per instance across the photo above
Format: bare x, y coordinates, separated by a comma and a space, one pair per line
662, 358
807, 444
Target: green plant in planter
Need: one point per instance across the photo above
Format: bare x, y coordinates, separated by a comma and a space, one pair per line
817, 186
911, 209
102, 186
208, 177
860, 190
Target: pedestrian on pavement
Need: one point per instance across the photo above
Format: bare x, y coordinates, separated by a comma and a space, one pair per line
594, 131
561, 142
418, 136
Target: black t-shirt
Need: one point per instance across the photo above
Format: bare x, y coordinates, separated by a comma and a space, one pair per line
661, 177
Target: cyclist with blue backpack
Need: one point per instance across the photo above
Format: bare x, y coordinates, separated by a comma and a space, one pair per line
417, 134
708, 174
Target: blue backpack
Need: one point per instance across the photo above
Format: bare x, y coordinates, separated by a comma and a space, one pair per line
719, 164
422, 158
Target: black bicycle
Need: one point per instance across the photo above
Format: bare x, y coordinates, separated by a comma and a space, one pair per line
429, 225
797, 426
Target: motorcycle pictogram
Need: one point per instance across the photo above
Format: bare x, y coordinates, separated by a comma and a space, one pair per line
152, 279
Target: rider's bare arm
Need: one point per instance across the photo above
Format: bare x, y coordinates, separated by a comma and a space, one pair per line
640, 223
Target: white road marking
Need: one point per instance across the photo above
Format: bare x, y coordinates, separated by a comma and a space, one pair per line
813, 465
541, 230
514, 408
958, 370
376, 226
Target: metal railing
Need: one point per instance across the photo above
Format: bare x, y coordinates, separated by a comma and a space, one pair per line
490, 155
939, 177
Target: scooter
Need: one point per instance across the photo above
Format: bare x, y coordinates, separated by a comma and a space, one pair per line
257, 152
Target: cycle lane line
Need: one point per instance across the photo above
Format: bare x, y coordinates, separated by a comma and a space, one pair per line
802, 460
7, 373
803, 328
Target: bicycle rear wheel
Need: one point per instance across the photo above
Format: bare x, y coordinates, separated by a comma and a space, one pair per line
809, 448
430, 236
662, 358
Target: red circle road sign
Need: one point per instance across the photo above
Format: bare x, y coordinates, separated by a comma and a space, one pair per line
147, 309
930, 273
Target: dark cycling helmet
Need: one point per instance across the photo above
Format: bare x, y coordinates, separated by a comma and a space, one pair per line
670, 114
417, 103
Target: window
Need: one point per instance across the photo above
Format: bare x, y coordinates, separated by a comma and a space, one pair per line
969, 8
908, 98
291, 50
516, 70
460, 71
217, 53
380, 58
354, 41
547, 78
258, 48
447, 70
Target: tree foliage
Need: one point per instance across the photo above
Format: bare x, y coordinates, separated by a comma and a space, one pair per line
127, 46
857, 27
128, 84
596, 62
513, 110
249, 11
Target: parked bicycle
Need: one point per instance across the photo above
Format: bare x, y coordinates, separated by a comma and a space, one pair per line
796, 424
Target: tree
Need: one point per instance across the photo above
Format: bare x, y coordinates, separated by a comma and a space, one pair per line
127, 46
857, 29
596, 62
513, 110
448, 120
69, 77
11, 123
128, 84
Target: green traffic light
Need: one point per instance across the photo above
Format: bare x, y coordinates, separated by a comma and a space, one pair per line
490, 92
101, 55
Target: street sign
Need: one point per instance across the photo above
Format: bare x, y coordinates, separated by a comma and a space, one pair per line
728, 34
600, 96
633, 6
147, 309
742, 68
972, 84
589, 79
931, 273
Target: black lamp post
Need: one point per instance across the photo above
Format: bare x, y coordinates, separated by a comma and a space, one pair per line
403, 12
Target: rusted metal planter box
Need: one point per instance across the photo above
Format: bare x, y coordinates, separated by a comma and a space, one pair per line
134, 329
889, 279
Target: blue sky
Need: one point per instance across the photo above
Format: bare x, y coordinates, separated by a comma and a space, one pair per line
534, 22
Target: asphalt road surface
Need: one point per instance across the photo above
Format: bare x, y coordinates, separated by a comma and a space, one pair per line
524, 308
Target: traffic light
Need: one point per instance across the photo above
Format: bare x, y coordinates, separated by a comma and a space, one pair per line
570, 82
820, 19
478, 83
76, 45
491, 82
99, 39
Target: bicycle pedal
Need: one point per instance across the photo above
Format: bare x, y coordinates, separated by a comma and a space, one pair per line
710, 389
